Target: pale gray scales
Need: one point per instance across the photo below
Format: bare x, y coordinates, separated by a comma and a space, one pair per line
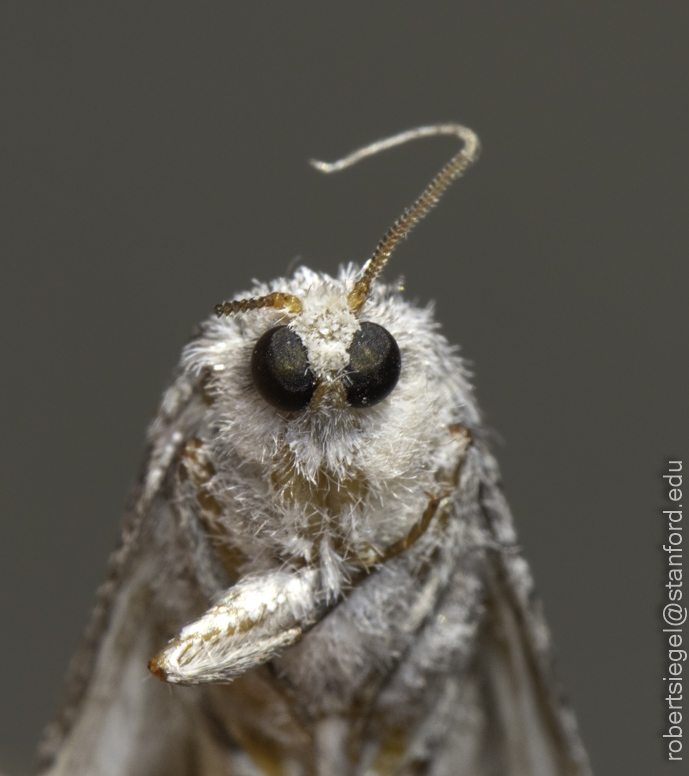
332, 589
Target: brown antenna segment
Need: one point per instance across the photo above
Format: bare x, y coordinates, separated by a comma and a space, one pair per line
277, 299
418, 209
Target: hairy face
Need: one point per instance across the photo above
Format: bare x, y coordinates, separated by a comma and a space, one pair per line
372, 392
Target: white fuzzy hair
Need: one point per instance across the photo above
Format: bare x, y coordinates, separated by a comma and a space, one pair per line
397, 447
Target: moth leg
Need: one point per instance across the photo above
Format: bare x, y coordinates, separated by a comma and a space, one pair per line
255, 620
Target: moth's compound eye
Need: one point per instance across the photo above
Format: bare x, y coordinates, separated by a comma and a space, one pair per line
280, 370
374, 366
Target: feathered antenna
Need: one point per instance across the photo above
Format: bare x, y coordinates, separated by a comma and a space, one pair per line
418, 209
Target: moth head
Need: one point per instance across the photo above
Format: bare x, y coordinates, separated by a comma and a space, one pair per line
324, 356
282, 374
301, 363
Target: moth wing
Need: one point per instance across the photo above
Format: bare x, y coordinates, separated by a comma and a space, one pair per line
528, 728
115, 717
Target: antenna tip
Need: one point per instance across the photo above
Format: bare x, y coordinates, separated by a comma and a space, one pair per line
321, 166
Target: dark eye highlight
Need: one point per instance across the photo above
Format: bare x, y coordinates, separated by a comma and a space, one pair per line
280, 370
374, 366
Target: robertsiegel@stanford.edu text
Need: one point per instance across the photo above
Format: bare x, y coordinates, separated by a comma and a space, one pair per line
674, 612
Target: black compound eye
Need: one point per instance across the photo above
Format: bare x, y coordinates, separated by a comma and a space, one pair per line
374, 366
280, 370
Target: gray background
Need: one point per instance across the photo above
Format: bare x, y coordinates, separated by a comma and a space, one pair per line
154, 161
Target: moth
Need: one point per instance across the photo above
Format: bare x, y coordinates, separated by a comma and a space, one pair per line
318, 573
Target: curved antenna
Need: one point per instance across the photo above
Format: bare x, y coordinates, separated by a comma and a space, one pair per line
420, 207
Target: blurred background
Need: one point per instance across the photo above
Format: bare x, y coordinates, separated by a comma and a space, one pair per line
153, 162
